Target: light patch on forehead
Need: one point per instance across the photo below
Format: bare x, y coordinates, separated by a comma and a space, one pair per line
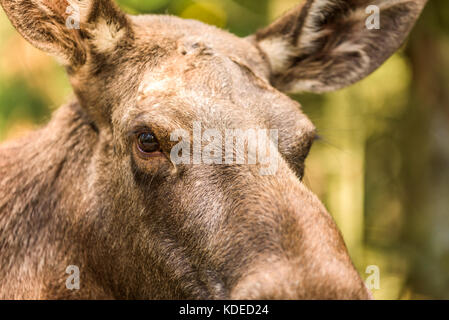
105, 36
157, 85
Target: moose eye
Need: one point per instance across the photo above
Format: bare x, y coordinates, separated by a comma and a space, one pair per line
147, 143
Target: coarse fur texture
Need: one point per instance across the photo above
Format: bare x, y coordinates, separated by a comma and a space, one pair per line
76, 193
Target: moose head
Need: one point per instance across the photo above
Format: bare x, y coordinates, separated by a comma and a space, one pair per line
99, 186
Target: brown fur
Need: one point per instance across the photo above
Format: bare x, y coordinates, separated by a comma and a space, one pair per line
75, 193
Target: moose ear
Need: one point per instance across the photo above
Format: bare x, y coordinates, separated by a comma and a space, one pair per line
66, 28
325, 45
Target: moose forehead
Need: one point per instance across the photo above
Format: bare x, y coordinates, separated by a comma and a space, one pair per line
209, 76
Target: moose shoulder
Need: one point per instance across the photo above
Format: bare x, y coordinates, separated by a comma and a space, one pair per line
97, 188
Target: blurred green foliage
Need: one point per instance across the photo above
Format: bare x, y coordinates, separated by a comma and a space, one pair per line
382, 166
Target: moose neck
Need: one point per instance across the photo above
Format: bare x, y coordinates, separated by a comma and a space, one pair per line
54, 214
42, 207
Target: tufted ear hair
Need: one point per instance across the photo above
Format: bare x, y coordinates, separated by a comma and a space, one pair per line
325, 45
67, 29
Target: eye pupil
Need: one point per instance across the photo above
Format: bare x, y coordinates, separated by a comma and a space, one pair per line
147, 142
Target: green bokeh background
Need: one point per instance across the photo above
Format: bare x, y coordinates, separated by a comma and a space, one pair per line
381, 167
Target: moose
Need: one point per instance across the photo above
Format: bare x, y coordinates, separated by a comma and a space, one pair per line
96, 188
